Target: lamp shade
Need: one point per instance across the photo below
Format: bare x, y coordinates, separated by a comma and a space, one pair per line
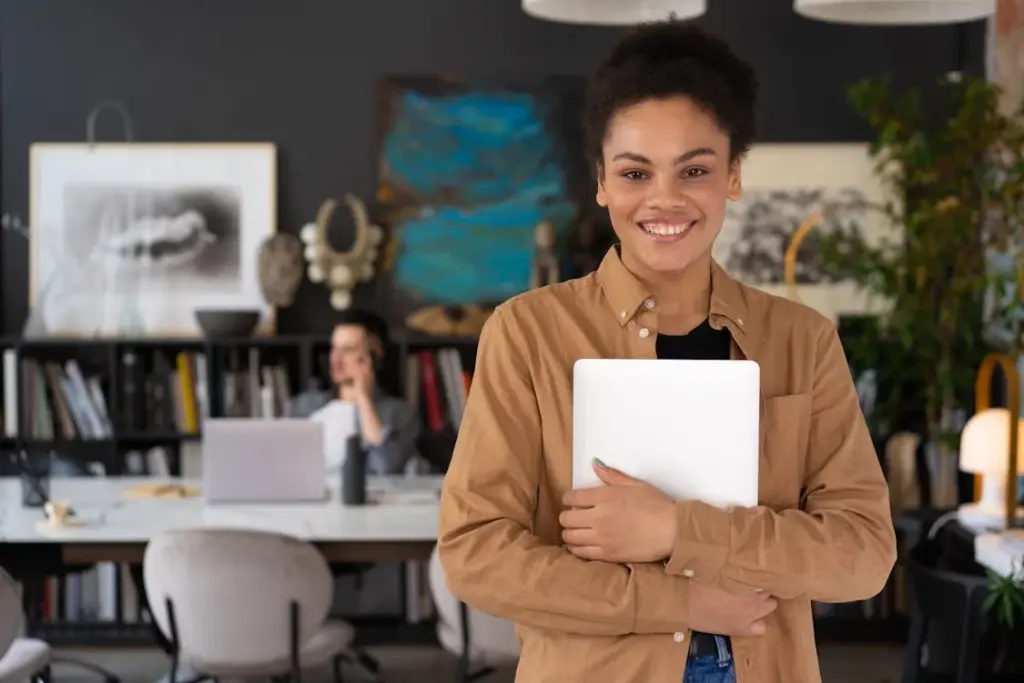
985, 443
613, 12
895, 12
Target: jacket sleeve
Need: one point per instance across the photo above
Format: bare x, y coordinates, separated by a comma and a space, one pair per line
840, 546
490, 557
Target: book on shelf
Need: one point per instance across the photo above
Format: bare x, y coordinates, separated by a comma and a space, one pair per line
437, 383
258, 390
90, 596
48, 400
166, 395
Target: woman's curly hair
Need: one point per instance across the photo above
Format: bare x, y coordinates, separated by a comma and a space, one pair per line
673, 59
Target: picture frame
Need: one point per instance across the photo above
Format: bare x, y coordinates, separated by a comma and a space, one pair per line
785, 185
129, 239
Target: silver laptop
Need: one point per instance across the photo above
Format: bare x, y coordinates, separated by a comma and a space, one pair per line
263, 461
688, 427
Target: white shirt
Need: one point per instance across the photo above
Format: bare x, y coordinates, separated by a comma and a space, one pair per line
339, 421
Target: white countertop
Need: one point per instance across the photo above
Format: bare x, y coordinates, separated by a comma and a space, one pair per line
406, 512
994, 551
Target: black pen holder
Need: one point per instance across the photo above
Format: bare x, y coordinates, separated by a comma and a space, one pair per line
35, 487
353, 473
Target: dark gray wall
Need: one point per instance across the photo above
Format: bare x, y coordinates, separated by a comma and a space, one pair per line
242, 70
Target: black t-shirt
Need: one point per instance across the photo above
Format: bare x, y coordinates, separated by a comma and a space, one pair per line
702, 343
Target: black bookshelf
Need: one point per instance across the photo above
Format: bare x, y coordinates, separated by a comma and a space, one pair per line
115, 364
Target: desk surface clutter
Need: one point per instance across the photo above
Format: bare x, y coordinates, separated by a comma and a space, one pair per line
1002, 552
133, 510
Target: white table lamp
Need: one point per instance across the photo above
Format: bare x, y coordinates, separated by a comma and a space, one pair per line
613, 12
895, 12
985, 451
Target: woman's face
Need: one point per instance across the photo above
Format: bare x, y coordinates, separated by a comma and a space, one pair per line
665, 177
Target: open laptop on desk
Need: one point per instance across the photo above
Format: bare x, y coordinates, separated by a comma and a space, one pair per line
263, 461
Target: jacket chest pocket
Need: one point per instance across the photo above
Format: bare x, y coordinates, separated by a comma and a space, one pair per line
785, 434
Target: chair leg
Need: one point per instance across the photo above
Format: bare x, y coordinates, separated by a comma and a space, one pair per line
912, 653
480, 673
44, 675
107, 676
462, 670
336, 669
367, 661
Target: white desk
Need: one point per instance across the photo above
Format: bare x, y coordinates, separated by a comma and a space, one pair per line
991, 552
116, 528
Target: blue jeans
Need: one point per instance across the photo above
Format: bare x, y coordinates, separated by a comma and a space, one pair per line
717, 668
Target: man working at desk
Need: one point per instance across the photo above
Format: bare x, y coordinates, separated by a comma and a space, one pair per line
387, 426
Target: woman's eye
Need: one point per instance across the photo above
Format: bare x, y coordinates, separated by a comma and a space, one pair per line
634, 175
694, 172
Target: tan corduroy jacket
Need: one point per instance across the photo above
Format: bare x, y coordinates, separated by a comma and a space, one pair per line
822, 532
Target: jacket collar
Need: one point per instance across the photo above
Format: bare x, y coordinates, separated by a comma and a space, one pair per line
626, 294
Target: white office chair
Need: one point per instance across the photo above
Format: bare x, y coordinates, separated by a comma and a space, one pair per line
479, 640
236, 603
21, 659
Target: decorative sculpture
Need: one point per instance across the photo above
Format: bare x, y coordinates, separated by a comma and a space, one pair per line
545, 262
341, 271
280, 269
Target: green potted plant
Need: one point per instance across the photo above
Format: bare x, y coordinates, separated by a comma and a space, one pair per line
956, 163
1004, 604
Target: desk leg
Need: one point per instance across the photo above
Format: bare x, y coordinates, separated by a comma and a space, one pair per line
411, 576
140, 589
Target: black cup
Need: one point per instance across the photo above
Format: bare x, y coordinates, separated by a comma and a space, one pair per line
353, 473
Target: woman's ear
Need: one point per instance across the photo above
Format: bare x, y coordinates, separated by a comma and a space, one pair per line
735, 190
602, 196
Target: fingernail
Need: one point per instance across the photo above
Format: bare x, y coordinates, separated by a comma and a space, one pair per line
599, 463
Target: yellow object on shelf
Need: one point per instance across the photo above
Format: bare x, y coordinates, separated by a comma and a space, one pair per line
161, 491
793, 248
982, 399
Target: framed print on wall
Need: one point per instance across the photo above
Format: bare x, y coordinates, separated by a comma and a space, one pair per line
785, 184
128, 239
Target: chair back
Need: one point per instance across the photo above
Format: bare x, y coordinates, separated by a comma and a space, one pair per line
948, 614
232, 593
490, 640
11, 616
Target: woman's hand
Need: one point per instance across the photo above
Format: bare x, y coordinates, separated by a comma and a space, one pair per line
626, 520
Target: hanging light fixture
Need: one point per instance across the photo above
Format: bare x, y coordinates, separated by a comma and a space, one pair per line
895, 12
613, 12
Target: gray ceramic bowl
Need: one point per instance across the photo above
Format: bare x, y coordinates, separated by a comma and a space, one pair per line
226, 323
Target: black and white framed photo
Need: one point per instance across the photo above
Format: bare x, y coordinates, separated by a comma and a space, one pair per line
128, 239
784, 185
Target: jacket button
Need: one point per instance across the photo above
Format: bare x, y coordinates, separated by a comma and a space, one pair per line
644, 333
679, 636
688, 573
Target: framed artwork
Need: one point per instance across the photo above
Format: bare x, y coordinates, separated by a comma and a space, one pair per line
128, 239
785, 184
466, 172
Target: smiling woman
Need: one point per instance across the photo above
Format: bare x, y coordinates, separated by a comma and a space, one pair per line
621, 582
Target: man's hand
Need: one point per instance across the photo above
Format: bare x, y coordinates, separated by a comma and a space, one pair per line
626, 520
713, 610
359, 386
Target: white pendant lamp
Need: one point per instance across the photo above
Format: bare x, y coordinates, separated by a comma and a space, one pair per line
613, 12
895, 12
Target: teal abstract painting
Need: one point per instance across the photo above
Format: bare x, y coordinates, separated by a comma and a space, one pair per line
466, 172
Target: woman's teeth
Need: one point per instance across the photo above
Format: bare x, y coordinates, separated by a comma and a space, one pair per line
666, 228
